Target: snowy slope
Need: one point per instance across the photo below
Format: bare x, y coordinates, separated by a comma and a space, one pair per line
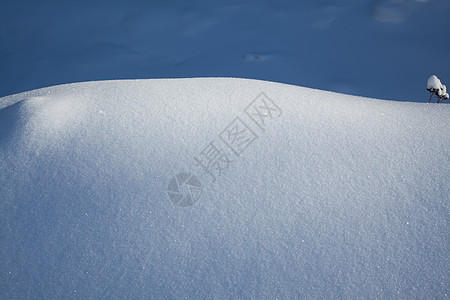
375, 48
332, 196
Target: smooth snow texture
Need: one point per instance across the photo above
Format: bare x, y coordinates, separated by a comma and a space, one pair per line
338, 197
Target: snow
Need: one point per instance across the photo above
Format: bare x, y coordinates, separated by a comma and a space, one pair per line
442, 90
337, 197
374, 48
433, 83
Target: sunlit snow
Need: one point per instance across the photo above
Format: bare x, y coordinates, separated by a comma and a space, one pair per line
334, 196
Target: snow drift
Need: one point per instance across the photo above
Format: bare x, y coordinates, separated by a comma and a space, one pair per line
326, 195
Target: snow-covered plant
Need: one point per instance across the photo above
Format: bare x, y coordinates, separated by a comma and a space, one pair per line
435, 87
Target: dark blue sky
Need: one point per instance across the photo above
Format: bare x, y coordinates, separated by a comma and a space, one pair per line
383, 49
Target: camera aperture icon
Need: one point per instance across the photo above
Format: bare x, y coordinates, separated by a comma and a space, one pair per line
184, 189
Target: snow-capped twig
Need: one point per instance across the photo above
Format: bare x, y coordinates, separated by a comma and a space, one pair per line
435, 87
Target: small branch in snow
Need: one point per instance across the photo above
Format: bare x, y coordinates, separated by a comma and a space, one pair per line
435, 87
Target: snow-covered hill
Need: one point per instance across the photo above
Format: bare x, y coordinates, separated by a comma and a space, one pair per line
296, 192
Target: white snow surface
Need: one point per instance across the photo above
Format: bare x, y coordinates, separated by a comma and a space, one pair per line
338, 197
